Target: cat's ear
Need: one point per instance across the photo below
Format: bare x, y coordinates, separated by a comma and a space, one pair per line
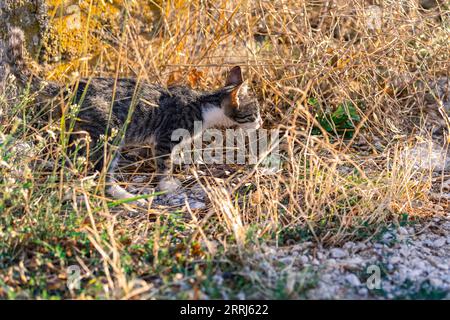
235, 92
234, 78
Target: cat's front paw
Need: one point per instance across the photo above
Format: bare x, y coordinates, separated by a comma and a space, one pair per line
143, 203
134, 206
169, 185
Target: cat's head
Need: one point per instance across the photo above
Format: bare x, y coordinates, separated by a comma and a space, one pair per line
239, 105
233, 105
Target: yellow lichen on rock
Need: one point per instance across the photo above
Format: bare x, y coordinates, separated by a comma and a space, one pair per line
82, 34
78, 36
74, 37
29, 15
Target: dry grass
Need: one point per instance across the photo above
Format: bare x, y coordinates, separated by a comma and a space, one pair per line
304, 60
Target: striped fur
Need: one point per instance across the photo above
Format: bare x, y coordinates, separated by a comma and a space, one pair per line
144, 113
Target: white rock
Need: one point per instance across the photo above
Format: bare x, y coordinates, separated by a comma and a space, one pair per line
304, 259
436, 282
419, 265
423, 236
353, 262
442, 266
414, 274
446, 277
395, 260
427, 155
348, 245
402, 230
338, 253
286, 260
197, 205
331, 262
315, 262
360, 246
439, 242
353, 280
404, 251
363, 292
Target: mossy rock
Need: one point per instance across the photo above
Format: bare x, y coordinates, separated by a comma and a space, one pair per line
30, 15
68, 36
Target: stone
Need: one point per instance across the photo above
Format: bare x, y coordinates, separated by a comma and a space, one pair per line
395, 260
363, 292
446, 185
414, 274
338, 253
353, 262
360, 246
348, 245
427, 156
303, 259
286, 260
402, 231
353, 280
196, 205
321, 256
428, 4
73, 19
404, 251
436, 282
439, 242
331, 262
418, 264
442, 266
315, 262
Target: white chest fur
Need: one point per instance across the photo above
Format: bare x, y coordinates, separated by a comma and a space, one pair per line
215, 117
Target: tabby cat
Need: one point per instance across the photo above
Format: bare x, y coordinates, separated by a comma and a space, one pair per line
146, 114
